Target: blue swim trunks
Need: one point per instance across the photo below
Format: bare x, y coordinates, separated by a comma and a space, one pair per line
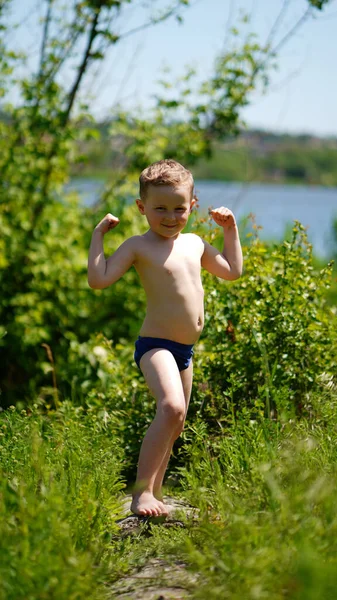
182, 352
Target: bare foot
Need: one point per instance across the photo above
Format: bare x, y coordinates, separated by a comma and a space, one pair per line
146, 505
169, 508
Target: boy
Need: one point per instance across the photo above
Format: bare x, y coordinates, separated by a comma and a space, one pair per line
169, 265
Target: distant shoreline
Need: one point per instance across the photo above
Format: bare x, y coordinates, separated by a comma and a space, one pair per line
253, 157
103, 175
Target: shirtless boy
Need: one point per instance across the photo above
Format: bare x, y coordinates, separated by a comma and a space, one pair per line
168, 263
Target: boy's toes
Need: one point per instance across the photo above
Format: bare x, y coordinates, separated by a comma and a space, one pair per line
158, 510
142, 512
167, 509
164, 509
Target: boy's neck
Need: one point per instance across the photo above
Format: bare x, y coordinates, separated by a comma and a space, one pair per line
157, 236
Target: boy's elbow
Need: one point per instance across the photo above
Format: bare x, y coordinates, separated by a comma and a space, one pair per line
99, 284
94, 284
234, 274
237, 274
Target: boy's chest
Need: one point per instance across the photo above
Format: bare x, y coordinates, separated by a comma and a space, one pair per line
179, 259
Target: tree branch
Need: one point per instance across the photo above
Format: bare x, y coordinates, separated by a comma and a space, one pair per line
308, 13
82, 68
151, 22
45, 38
277, 21
63, 56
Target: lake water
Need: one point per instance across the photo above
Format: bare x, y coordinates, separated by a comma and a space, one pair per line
274, 206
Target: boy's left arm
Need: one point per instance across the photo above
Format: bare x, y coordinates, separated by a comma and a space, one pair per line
228, 264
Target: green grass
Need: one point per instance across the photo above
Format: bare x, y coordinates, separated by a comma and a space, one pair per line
268, 502
60, 480
265, 491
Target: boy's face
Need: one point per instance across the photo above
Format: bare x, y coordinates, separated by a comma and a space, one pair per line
167, 209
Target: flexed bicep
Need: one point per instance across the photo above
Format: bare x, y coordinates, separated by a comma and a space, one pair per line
119, 262
214, 262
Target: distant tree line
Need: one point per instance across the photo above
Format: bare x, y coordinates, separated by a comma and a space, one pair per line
254, 156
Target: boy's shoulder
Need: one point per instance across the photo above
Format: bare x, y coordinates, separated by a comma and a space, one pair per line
192, 237
192, 244
133, 240
132, 244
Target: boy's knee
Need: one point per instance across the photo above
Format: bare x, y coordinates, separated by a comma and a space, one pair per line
174, 414
180, 429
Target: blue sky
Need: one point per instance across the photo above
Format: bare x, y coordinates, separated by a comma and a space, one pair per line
302, 96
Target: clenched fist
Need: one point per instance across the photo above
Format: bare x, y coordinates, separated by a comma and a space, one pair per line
107, 223
223, 217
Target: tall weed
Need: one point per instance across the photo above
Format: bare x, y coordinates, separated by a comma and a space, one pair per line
266, 494
60, 482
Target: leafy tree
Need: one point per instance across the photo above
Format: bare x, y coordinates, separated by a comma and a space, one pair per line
44, 242
45, 300
319, 3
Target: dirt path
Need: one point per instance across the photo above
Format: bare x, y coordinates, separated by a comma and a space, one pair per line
158, 579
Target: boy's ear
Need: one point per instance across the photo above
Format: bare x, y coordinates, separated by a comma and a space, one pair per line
193, 201
140, 205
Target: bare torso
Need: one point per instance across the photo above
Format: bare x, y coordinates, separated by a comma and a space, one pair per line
170, 272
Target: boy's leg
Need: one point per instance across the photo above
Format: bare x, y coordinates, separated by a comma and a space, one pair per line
186, 377
163, 379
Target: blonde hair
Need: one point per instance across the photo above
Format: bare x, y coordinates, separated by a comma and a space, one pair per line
165, 172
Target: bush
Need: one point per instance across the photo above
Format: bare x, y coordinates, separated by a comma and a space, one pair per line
269, 338
51, 302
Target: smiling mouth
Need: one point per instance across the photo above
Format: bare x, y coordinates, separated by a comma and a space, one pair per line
170, 226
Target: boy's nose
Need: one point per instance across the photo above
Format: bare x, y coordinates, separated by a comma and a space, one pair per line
170, 217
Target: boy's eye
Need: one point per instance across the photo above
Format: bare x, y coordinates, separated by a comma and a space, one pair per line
160, 208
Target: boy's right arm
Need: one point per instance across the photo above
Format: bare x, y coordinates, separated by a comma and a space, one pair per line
102, 272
